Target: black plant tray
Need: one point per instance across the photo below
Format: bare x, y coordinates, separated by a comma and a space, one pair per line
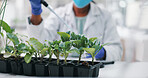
72, 69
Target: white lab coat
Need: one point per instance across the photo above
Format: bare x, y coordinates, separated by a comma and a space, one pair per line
98, 24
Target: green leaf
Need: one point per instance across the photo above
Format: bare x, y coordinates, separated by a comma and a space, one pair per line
91, 51
75, 37
76, 43
36, 44
20, 35
105, 44
93, 39
2, 34
64, 36
75, 50
28, 58
44, 51
13, 38
23, 46
84, 41
56, 42
69, 51
6, 27
49, 50
66, 45
97, 47
9, 48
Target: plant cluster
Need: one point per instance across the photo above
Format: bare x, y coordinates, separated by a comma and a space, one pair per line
34, 62
33, 47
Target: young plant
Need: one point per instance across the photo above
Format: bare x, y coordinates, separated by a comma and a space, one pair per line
44, 52
17, 48
66, 46
94, 50
79, 42
55, 48
50, 52
30, 52
39, 48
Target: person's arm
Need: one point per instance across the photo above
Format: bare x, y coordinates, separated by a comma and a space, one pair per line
36, 19
36, 9
39, 28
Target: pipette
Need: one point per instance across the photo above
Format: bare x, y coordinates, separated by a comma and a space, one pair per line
49, 7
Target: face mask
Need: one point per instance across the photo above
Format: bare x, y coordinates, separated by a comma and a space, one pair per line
81, 3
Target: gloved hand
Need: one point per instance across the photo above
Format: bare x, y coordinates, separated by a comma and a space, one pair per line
36, 7
100, 54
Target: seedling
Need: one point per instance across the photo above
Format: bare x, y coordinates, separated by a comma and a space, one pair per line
17, 48
56, 49
50, 51
40, 49
94, 50
66, 46
79, 42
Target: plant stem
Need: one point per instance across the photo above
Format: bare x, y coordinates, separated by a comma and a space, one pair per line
50, 56
58, 60
80, 57
3, 13
36, 56
65, 60
41, 59
92, 60
1, 9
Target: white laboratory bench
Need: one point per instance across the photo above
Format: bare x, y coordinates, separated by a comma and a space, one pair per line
117, 70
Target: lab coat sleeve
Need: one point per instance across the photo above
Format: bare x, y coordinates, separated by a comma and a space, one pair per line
47, 30
114, 49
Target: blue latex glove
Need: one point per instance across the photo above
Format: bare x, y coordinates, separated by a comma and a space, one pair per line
36, 7
100, 54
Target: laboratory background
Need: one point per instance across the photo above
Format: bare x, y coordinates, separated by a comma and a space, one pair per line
130, 16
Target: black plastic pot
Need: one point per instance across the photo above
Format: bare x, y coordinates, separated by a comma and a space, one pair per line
88, 71
96, 70
5, 66
29, 69
68, 70
41, 69
55, 70
16, 67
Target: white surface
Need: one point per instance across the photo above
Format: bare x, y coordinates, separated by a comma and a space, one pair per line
125, 70
117, 70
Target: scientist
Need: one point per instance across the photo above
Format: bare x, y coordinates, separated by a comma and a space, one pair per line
85, 18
